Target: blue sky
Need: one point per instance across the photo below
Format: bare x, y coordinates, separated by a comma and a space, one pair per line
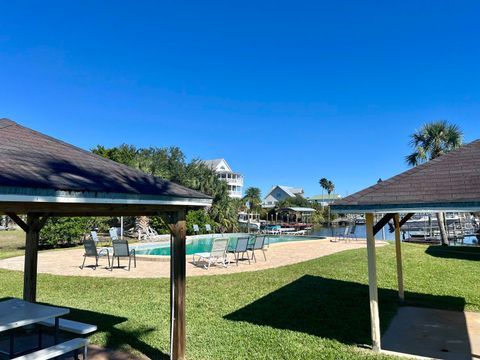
287, 92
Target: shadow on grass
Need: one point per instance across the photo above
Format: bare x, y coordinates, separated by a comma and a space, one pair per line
455, 252
116, 338
331, 308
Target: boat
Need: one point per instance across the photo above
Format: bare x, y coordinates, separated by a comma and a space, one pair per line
360, 220
249, 221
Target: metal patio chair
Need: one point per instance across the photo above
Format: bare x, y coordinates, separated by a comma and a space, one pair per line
121, 250
258, 244
218, 254
241, 247
91, 251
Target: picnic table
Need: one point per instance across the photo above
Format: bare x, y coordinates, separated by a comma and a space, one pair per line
17, 313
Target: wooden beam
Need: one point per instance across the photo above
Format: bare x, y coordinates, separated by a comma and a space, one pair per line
18, 221
381, 223
31, 259
62, 209
398, 252
372, 284
42, 221
406, 218
178, 229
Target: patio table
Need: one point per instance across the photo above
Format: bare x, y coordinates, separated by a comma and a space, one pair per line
16, 313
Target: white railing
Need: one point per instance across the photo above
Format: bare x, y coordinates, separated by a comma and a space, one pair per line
235, 194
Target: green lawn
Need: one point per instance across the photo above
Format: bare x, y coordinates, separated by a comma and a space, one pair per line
313, 310
12, 243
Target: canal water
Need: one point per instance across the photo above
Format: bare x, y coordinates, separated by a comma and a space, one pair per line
360, 231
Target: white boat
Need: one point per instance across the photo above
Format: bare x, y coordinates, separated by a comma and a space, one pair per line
360, 220
250, 221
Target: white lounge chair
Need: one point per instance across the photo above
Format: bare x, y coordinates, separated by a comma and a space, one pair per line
217, 255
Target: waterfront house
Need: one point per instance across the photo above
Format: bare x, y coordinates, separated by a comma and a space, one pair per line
279, 193
234, 180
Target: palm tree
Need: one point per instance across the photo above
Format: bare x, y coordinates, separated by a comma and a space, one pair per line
253, 196
431, 141
329, 186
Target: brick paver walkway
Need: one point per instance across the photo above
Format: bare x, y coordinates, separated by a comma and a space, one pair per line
67, 262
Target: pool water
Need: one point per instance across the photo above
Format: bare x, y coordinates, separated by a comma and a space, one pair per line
204, 244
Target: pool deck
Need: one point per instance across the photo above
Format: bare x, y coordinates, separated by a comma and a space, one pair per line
67, 262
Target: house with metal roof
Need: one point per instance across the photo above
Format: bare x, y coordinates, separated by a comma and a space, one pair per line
279, 193
225, 173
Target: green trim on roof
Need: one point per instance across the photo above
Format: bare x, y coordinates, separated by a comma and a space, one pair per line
468, 206
325, 197
85, 196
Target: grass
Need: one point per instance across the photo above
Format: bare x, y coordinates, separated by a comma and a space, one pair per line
318, 309
12, 243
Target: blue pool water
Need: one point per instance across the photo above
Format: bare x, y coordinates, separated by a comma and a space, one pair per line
204, 244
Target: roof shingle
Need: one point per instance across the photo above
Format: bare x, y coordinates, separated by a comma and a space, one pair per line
33, 160
451, 178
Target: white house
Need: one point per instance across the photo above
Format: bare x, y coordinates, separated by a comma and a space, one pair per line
225, 173
279, 193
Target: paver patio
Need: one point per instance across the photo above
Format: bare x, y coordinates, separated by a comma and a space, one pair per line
67, 262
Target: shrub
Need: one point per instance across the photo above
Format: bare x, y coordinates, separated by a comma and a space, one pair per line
65, 231
200, 218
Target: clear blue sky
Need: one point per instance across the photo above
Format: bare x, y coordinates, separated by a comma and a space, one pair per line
287, 92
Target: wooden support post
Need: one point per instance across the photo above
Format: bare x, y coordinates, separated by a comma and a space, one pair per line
398, 252
31, 259
372, 283
178, 230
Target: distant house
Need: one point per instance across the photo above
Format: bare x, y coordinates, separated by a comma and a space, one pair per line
324, 199
279, 193
225, 173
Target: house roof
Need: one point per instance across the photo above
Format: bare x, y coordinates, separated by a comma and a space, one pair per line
450, 182
212, 164
300, 209
38, 167
322, 197
291, 191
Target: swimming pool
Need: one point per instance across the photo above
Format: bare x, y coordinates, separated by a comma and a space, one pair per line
204, 243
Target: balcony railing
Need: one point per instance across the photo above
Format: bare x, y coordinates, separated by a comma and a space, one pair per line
235, 194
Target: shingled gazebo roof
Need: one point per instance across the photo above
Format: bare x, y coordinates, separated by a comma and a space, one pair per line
450, 182
40, 169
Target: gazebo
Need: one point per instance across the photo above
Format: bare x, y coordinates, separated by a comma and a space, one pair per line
448, 183
42, 177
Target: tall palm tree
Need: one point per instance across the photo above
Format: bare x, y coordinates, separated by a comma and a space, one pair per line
253, 196
329, 186
431, 141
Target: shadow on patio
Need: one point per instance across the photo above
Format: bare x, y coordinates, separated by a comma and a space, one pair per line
331, 308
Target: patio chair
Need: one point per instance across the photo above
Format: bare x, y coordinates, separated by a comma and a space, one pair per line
94, 237
91, 251
258, 244
113, 233
208, 228
352, 234
342, 235
121, 250
241, 247
196, 229
218, 254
